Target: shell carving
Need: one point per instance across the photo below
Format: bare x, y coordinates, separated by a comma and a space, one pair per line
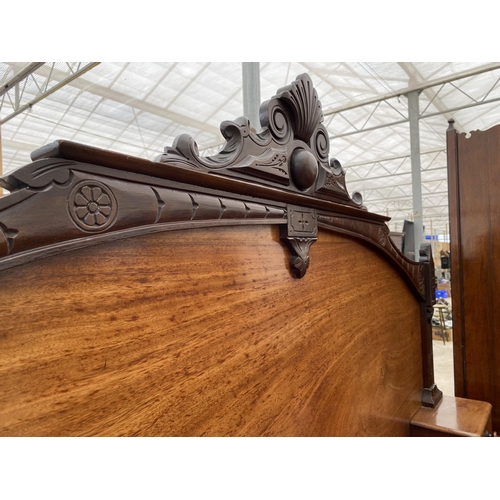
303, 101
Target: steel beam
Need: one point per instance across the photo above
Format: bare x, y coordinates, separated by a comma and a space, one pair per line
32, 67
392, 158
251, 93
416, 178
368, 201
53, 89
459, 108
434, 83
369, 129
423, 116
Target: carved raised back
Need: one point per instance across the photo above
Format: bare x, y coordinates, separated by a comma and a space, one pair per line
175, 262
255, 178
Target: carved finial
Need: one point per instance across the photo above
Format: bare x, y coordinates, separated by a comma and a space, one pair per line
451, 125
291, 152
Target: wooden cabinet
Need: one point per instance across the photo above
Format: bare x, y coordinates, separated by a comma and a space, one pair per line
474, 177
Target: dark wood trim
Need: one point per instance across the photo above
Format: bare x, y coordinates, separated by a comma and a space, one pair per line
473, 165
377, 236
287, 162
431, 394
42, 172
71, 245
456, 260
299, 234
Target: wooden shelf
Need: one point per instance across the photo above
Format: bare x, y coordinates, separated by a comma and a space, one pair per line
453, 417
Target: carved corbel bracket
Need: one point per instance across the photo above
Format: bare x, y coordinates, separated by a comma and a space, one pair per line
299, 234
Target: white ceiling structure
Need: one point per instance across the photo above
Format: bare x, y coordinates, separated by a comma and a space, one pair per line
139, 108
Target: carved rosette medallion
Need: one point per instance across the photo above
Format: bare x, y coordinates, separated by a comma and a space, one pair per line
92, 206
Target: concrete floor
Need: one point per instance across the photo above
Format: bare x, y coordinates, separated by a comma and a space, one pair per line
443, 366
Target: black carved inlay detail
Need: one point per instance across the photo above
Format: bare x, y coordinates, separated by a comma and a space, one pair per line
161, 204
299, 234
382, 236
302, 223
92, 206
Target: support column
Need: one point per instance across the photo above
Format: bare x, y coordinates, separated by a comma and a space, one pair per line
251, 93
416, 178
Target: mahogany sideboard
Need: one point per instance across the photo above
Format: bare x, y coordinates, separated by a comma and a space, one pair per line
243, 294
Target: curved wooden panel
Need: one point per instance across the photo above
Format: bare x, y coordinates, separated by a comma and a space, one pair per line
206, 332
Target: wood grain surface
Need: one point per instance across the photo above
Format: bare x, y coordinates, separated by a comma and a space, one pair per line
206, 333
474, 171
453, 417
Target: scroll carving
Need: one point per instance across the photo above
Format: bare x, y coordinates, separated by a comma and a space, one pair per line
292, 151
382, 236
302, 100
